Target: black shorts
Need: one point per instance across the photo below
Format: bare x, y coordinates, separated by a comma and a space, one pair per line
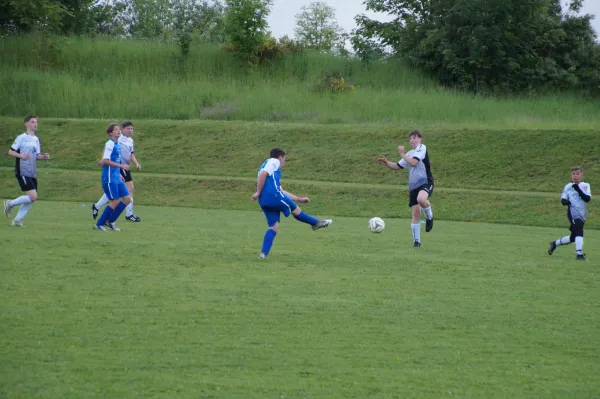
413, 194
576, 228
27, 183
126, 175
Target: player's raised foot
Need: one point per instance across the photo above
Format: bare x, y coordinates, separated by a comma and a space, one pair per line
133, 218
322, 223
7, 208
581, 257
262, 256
17, 223
102, 228
95, 211
552, 247
113, 226
416, 244
428, 225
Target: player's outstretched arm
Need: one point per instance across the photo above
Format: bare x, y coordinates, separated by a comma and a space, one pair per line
384, 161
295, 198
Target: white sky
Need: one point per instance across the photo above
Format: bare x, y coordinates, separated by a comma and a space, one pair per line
282, 19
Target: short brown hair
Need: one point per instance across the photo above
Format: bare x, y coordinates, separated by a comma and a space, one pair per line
415, 133
277, 152
110, 127
574, 168
126, 124
28, 118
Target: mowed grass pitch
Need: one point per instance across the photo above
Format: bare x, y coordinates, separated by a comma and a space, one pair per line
178, 306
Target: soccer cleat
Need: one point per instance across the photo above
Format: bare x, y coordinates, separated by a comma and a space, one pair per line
552, 247
262, 256
322, 224
416, 244
113, 226
581, 257
95, 211
102, 228
17, 223
7, 208
133, 218
428, 225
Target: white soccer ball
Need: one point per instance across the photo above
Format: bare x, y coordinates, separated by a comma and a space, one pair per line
376, 225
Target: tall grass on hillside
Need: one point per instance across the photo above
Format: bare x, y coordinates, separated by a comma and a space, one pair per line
102, 78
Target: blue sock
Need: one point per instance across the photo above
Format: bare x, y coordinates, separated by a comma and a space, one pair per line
306, 218
117, 212
268, 241
104, 217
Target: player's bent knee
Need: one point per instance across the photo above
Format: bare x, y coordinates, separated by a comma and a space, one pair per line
126, 200
32, 196
296, 211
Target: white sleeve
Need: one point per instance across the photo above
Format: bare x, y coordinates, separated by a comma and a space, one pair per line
586, 189
402, 163
420, 152
108, 149
565, 193
38, 147
271, 166
18, 143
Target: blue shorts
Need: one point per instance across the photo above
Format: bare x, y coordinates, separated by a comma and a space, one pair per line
115, 190
272, 210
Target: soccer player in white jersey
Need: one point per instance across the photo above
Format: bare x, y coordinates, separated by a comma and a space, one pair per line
127, 157
274, 200
112, 183
575, 197
420, 182
26, 149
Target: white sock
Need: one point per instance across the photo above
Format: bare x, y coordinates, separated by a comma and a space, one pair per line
129, 209
23, 211
416, 230
102, 201
428, 212
566, 240
23, 199
579, 245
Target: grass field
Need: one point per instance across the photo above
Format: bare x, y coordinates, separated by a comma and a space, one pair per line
178, 306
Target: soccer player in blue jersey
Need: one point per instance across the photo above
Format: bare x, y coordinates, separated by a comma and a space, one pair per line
112, 184
575, 197
26, 150
274, 200
420, 182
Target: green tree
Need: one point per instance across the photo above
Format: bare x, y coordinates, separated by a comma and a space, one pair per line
317, 28
489, 45
246, 27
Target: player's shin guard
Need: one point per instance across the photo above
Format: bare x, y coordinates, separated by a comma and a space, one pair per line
117, 212
268, 241
129, 209
416, 230
105, 216
579, 245
23, 199
306, 218
102, 201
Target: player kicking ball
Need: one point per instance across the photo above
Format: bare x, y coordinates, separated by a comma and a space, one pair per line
274, 200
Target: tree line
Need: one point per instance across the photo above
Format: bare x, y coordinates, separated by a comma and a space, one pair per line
483, 46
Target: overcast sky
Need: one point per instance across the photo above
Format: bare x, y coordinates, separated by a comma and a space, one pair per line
282, 19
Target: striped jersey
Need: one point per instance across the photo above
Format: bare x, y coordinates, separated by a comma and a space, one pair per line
419, 174
26, 143
271, 192
112, 152
126, 144
578, 207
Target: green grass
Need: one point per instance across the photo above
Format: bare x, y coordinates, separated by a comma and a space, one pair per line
148, 80
514, 160
178, 306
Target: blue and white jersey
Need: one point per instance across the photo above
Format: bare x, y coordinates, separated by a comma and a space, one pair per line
271, 192
578, 207
112, 152
26, 143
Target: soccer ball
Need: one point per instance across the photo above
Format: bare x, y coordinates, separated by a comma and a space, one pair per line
376, 225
